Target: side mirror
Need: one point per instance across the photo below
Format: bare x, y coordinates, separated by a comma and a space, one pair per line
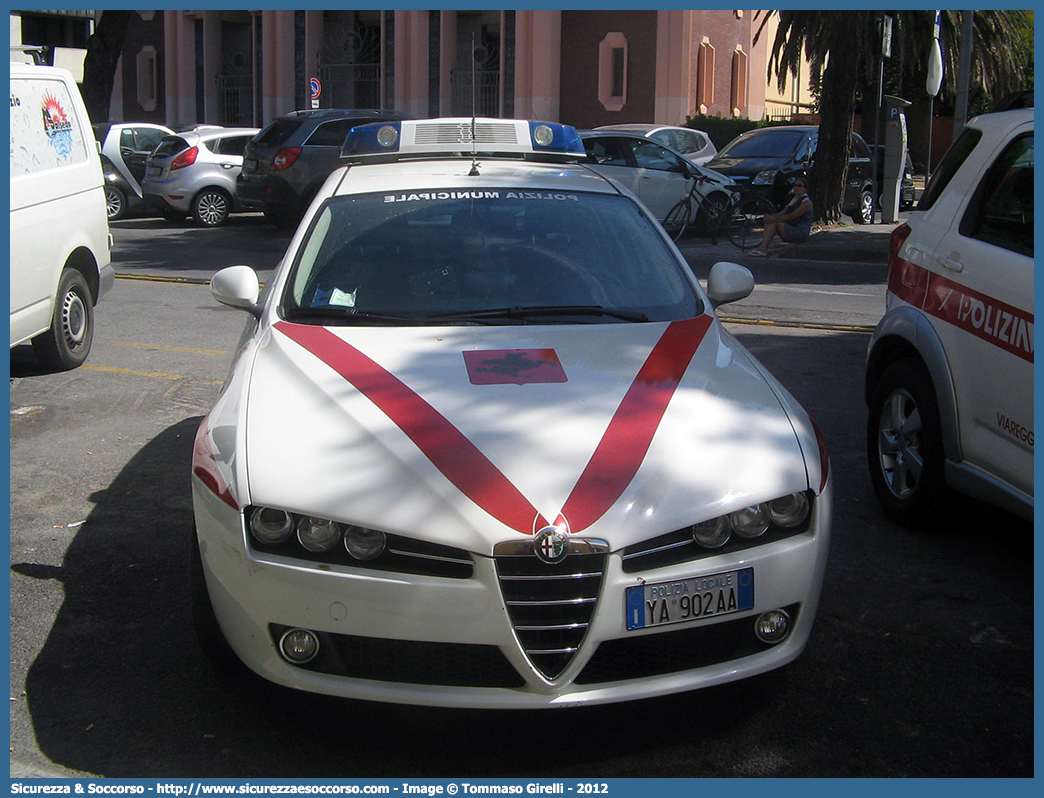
237, 287
728, 282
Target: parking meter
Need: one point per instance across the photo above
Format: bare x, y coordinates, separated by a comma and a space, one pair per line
894, 158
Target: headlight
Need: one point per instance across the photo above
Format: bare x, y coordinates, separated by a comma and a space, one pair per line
318, 534
712, 534
765, 178
750, 522
789, 511
362, 543
271, 527
784, 514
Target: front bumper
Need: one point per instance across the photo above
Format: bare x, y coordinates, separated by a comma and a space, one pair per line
450, 642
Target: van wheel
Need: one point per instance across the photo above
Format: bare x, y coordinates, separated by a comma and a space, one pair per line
115, 203
66, 344
864, 213
210, 208
904, 446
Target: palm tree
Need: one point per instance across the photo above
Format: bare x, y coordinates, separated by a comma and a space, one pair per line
841, 47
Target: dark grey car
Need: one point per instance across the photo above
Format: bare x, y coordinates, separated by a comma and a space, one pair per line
286, 163
769, 159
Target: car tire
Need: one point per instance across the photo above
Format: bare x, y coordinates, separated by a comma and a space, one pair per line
66, 344
210, 638
115, 203
904, 446
864, 212
211, 207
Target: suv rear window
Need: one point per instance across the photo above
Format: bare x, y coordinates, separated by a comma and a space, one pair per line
278, 132
332, 134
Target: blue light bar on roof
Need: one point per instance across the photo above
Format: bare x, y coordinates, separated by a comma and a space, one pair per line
416, 138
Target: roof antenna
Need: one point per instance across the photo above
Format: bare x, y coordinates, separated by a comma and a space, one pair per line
474, 155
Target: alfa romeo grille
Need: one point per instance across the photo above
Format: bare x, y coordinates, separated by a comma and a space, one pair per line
551, 604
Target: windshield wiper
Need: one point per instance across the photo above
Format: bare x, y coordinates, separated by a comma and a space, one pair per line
538, 311
346, 316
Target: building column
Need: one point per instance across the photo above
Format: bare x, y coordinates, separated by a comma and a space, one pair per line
674, 58
411, 62
538, 66
179, 67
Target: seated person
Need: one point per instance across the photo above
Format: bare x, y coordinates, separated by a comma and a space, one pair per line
793, 224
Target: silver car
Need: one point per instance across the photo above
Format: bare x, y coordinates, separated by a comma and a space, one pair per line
194, 173
695, 145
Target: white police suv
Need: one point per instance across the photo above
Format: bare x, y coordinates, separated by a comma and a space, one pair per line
485, 443
949, 377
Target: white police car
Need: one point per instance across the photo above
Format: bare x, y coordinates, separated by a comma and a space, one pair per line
949, 376
486, 444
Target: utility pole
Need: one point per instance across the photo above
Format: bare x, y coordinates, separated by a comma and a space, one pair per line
964, 71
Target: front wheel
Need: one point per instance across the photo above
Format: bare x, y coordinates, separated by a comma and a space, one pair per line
115, 203
904, 445
65, 345
864, 214
677, 218
211, 207
745, 222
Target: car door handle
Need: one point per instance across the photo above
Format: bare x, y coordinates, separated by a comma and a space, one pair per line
948, 263
228, 166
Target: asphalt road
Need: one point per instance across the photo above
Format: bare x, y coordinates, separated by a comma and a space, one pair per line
921, 662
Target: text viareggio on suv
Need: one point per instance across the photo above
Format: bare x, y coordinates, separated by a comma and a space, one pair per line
487, 444
949, 376
286, 163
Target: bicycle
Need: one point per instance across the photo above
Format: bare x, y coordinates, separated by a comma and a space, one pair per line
741, 217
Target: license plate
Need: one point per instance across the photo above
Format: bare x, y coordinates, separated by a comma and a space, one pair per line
250, 164
690, 599
154, 171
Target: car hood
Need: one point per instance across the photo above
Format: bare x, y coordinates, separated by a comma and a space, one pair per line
749, 166
468, 436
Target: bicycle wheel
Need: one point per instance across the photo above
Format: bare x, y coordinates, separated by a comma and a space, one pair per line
678, 218
745, 225
709, 215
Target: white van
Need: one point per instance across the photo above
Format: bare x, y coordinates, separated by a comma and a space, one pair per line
60, 242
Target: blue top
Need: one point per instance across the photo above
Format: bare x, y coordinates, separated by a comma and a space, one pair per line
799, 228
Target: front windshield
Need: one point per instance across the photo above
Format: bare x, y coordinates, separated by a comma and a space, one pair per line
764, 144
489, 256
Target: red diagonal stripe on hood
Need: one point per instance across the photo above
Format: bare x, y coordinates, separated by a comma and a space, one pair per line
626, 440
455, 456
612, 466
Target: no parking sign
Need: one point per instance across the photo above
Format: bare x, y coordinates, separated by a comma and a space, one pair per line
317, 89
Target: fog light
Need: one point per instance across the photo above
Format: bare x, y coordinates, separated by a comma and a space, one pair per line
771, 627
362, 543
299, 646
271, 526
750, 522
712, 534
318, 534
